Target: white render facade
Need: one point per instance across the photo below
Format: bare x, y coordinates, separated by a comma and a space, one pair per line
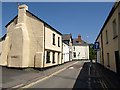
80, 52
66, 54
54, 49
29, 42
68, 42
80, 49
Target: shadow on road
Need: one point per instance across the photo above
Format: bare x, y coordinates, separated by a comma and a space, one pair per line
94, 75
82, 80
87, 78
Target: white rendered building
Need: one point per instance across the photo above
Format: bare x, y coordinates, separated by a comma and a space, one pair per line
80, 49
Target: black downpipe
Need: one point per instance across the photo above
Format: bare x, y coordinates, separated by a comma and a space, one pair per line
44, 48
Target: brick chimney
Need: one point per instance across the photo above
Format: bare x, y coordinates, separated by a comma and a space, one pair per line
79, 38
22, 13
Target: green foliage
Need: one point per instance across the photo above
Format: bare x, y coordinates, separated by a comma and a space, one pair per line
92, 53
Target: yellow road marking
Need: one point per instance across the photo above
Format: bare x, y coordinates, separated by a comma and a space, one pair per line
103, 84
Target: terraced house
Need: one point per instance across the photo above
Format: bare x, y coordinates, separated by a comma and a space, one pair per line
67, 47
30, 42
80, 49
109, 40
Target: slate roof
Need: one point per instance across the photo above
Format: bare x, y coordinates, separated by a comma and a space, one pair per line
77, 43
66, 37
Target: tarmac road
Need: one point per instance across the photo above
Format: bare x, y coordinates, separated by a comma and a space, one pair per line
64, 79
76, 76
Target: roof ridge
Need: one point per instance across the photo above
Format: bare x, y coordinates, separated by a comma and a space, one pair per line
38, 19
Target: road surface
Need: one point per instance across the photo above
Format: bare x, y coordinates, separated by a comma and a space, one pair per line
64, 79
75, 76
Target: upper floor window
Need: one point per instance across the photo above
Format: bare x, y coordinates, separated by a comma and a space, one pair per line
67, 42
74, 48
58, 41
114, 29
106, 37
77, 41
53, 39
74, 54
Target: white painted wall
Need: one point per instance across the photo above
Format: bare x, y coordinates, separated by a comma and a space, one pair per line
49, 40
98, 56
0, 49
49, 45
82, 52
65, 52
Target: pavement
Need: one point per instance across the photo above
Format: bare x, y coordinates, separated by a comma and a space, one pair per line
96, 76
110, 78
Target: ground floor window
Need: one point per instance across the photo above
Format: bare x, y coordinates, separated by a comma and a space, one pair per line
117, 60
53, 61
74, 54
58, 57
108, 61
48, 57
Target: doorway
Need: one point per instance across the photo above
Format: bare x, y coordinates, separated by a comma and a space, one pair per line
117, 62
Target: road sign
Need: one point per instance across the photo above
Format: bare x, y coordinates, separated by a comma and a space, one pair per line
96, 45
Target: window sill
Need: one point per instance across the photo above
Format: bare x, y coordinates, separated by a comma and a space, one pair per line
48, 62
53, 62
115, 37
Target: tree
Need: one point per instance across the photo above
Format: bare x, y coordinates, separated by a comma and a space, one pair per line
92, 53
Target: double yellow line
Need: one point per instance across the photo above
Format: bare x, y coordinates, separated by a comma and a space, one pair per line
103, 84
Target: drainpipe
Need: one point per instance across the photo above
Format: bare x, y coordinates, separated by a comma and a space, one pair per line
61, 50
119, 36
44, 48
102, 49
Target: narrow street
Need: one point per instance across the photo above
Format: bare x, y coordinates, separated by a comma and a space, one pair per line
60, 45
64, 79
75, 76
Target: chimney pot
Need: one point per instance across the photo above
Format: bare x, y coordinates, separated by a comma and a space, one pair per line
79, 38
22, 13
23, 6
